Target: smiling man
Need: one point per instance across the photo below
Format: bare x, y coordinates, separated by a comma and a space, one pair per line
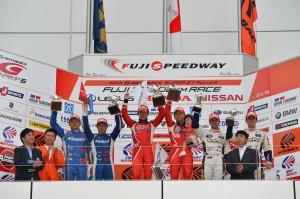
52, 156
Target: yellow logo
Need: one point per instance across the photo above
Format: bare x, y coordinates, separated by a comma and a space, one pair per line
39, 125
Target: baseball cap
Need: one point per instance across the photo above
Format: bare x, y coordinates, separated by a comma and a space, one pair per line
101, 120
143, 108
251, 113
75, 116
179, 109
214, 115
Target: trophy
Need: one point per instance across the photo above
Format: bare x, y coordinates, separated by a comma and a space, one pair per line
173, 94
113, 108
198, 107
230, 120
158, 99
56, 103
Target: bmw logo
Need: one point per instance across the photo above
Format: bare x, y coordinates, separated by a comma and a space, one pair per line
278, 115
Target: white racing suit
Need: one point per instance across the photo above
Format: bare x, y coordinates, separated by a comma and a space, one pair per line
215, 146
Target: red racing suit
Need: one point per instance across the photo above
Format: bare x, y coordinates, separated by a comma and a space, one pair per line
142, 135
177, 138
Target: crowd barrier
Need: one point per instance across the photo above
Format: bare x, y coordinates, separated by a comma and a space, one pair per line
152, 189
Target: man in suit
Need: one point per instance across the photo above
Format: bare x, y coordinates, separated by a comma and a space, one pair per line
27, 159
52, 156
243, 161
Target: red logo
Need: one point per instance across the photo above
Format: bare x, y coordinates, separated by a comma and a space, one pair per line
11, 68
156, 65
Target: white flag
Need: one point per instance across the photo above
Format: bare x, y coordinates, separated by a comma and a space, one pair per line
160, 156
140, 93
175, 26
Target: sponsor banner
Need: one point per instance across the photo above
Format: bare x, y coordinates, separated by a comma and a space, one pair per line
160, 65
7, 160
39, 100
12, 118
38, 125
285, 99
261, 106
38, 114
10, 136
219, 94
286, 142
123, 153
289, 163
286, 113
287, 124
12, 107
20, 71
264, 119
7, 177
12, 93
123, 172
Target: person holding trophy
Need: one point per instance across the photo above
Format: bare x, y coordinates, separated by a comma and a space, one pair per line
177, 138
258, 140
142, 135
75, 144
214, 142
102, 145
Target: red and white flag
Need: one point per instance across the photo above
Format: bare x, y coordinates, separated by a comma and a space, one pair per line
82, 95
175, 26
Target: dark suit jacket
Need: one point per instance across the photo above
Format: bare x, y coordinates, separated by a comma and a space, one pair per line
249, 161
21, 157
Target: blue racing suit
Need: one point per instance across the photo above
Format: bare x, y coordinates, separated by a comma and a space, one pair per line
76, 147
102, 146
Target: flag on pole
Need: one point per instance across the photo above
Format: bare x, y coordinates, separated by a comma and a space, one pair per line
249, 15
100, 44
160, 155
175, 26
140, 93
82, 95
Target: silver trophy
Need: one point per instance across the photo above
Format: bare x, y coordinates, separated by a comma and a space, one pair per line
56, 103
198, 107
230, 119
113, 108
158, 99
173, 94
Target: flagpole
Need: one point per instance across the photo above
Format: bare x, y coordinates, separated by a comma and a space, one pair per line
91, 26
239, 26
165, 27
88, 23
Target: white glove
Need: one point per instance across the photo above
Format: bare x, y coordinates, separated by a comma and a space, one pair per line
183, 153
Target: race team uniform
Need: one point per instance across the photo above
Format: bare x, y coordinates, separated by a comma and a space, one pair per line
102, 145
215, 146
76, 148
142, 135
52, 163
177, 138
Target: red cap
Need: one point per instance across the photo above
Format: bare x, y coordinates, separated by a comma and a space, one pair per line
179, 109
214, 115
101, 120
143, 108
251, 113
75, 116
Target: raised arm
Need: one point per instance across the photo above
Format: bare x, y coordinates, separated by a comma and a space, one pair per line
55, 125
124, 111
168, 115
86, 126
117, 128
159, 117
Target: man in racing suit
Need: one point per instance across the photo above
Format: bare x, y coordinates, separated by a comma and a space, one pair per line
258, 140
215, 146
177, 138
142, 135
102, 146
75, 145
